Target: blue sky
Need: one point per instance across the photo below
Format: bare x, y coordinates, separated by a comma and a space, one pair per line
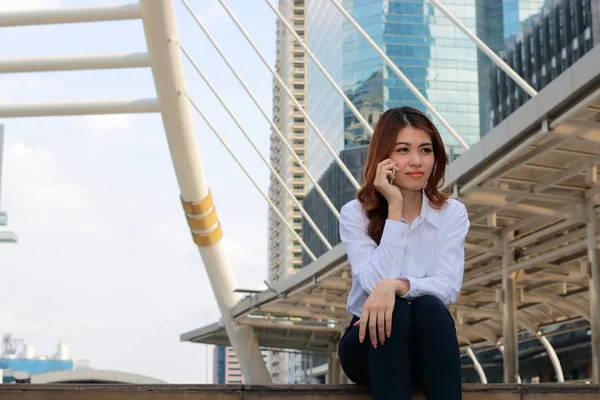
105, 261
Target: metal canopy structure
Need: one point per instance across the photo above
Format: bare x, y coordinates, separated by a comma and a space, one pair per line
531, 189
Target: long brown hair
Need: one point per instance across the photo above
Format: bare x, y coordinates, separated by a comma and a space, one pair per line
382, 144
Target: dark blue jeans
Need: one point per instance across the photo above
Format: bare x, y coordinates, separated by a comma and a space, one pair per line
421, 351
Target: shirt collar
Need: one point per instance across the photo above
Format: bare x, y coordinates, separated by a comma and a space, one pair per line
429, 213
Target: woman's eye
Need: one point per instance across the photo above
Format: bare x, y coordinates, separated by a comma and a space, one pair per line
427, 150
402, 150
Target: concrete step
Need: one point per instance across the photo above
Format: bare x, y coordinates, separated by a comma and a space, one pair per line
279, 392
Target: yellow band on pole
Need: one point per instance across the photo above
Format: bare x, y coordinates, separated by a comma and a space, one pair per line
202, 216
199, 207
205, 222
208, 239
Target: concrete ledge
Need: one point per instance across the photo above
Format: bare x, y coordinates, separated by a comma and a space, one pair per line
277, 392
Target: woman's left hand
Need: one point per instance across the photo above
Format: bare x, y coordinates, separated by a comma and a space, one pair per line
378, 309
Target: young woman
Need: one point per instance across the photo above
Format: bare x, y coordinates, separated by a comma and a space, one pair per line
405, 243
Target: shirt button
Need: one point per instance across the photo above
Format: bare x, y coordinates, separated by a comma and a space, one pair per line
403, 235
409, 261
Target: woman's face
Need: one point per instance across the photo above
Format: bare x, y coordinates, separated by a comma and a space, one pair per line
413, 154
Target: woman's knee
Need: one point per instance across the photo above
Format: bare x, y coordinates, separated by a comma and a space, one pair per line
429, 311
401, 313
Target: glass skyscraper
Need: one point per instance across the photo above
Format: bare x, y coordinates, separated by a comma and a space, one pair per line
548, 42
324, 105
500, 22
433, 54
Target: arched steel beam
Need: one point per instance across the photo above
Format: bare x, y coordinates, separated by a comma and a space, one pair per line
477, 366
525, 323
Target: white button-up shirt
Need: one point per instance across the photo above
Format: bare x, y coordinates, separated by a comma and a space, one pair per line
429, 252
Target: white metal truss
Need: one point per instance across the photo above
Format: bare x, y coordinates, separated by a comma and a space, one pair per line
89, 62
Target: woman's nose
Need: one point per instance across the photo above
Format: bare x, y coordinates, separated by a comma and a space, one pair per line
415, 160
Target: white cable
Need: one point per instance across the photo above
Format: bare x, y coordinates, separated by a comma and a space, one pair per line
273, 171
318, 187
322, 69
400, 75
271, 204
337, 159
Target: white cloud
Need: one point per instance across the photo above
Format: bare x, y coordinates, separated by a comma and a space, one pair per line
38, 182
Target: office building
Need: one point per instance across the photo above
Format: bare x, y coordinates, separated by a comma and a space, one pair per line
433, 54
549, 42
340, 191
284, 253
499, 21
226, 367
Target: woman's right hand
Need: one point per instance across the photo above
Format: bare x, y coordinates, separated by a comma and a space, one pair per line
385, 170
378, 309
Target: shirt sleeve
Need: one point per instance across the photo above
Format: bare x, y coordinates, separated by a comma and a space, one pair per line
371, 263
444, 279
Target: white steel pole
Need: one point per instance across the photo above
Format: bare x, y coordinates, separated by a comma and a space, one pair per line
335, 156
484, 48
321, 68
161, 36
400, 75
70, 15
74, 63
309, 219
79, 108
263, 112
